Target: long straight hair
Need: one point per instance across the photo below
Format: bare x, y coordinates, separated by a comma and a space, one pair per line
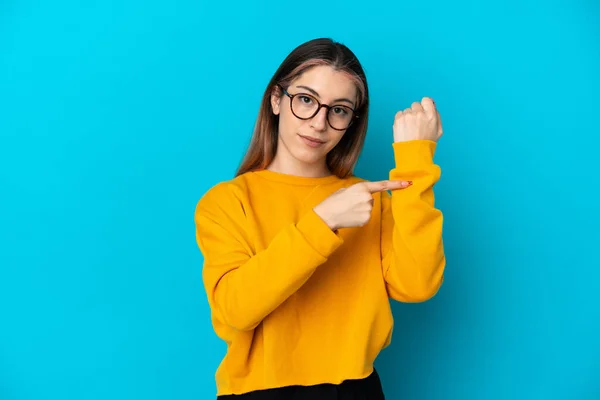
342, 159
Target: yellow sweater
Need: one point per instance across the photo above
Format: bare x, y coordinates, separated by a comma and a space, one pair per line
298, 304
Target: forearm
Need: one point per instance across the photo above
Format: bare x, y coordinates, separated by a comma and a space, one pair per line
415, 261
243, 293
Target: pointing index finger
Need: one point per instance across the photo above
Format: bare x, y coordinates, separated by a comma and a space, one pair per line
380, 186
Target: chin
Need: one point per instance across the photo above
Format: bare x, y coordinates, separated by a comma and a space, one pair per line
310, 159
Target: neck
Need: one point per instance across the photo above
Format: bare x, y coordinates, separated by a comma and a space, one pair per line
291, 166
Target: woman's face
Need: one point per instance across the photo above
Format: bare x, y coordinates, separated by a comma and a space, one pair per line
304, 143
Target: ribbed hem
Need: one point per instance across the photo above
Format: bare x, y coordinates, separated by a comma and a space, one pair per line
407, 155
294, 179
318, 234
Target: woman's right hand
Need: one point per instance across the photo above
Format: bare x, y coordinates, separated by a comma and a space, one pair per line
351, 207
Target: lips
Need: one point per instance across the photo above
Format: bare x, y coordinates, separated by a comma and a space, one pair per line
312, 139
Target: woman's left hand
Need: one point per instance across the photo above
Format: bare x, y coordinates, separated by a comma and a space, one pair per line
419, 122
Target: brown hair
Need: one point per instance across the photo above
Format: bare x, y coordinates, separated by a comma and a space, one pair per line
342, 159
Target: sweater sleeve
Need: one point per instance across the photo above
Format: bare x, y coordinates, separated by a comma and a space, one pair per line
412, 249
244, 287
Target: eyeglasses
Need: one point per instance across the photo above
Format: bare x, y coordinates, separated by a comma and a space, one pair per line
305, 106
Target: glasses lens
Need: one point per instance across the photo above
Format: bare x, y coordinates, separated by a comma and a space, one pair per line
340, 117
304, 106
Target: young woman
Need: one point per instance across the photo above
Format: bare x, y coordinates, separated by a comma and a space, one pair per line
301, 257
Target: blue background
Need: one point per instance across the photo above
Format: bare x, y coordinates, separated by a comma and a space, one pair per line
116, 116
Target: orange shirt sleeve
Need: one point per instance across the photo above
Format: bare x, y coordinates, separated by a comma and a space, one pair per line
413, 257
242, 286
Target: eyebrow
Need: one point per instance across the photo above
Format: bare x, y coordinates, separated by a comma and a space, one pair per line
317, 94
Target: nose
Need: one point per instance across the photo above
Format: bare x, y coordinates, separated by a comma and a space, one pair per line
319, 121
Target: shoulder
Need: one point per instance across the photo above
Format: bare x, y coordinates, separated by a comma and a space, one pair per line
225, 196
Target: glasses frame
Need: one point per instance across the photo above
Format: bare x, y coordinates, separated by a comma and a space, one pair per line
320, 105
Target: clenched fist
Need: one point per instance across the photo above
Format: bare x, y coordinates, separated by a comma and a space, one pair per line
351, 207
419, 122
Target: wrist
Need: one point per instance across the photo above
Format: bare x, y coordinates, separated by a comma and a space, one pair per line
327, 219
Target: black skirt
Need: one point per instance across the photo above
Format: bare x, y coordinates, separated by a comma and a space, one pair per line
368, 388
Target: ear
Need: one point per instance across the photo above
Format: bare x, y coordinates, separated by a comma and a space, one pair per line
276, 99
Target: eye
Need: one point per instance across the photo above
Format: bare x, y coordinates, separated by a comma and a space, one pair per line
340, 111
305, 99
